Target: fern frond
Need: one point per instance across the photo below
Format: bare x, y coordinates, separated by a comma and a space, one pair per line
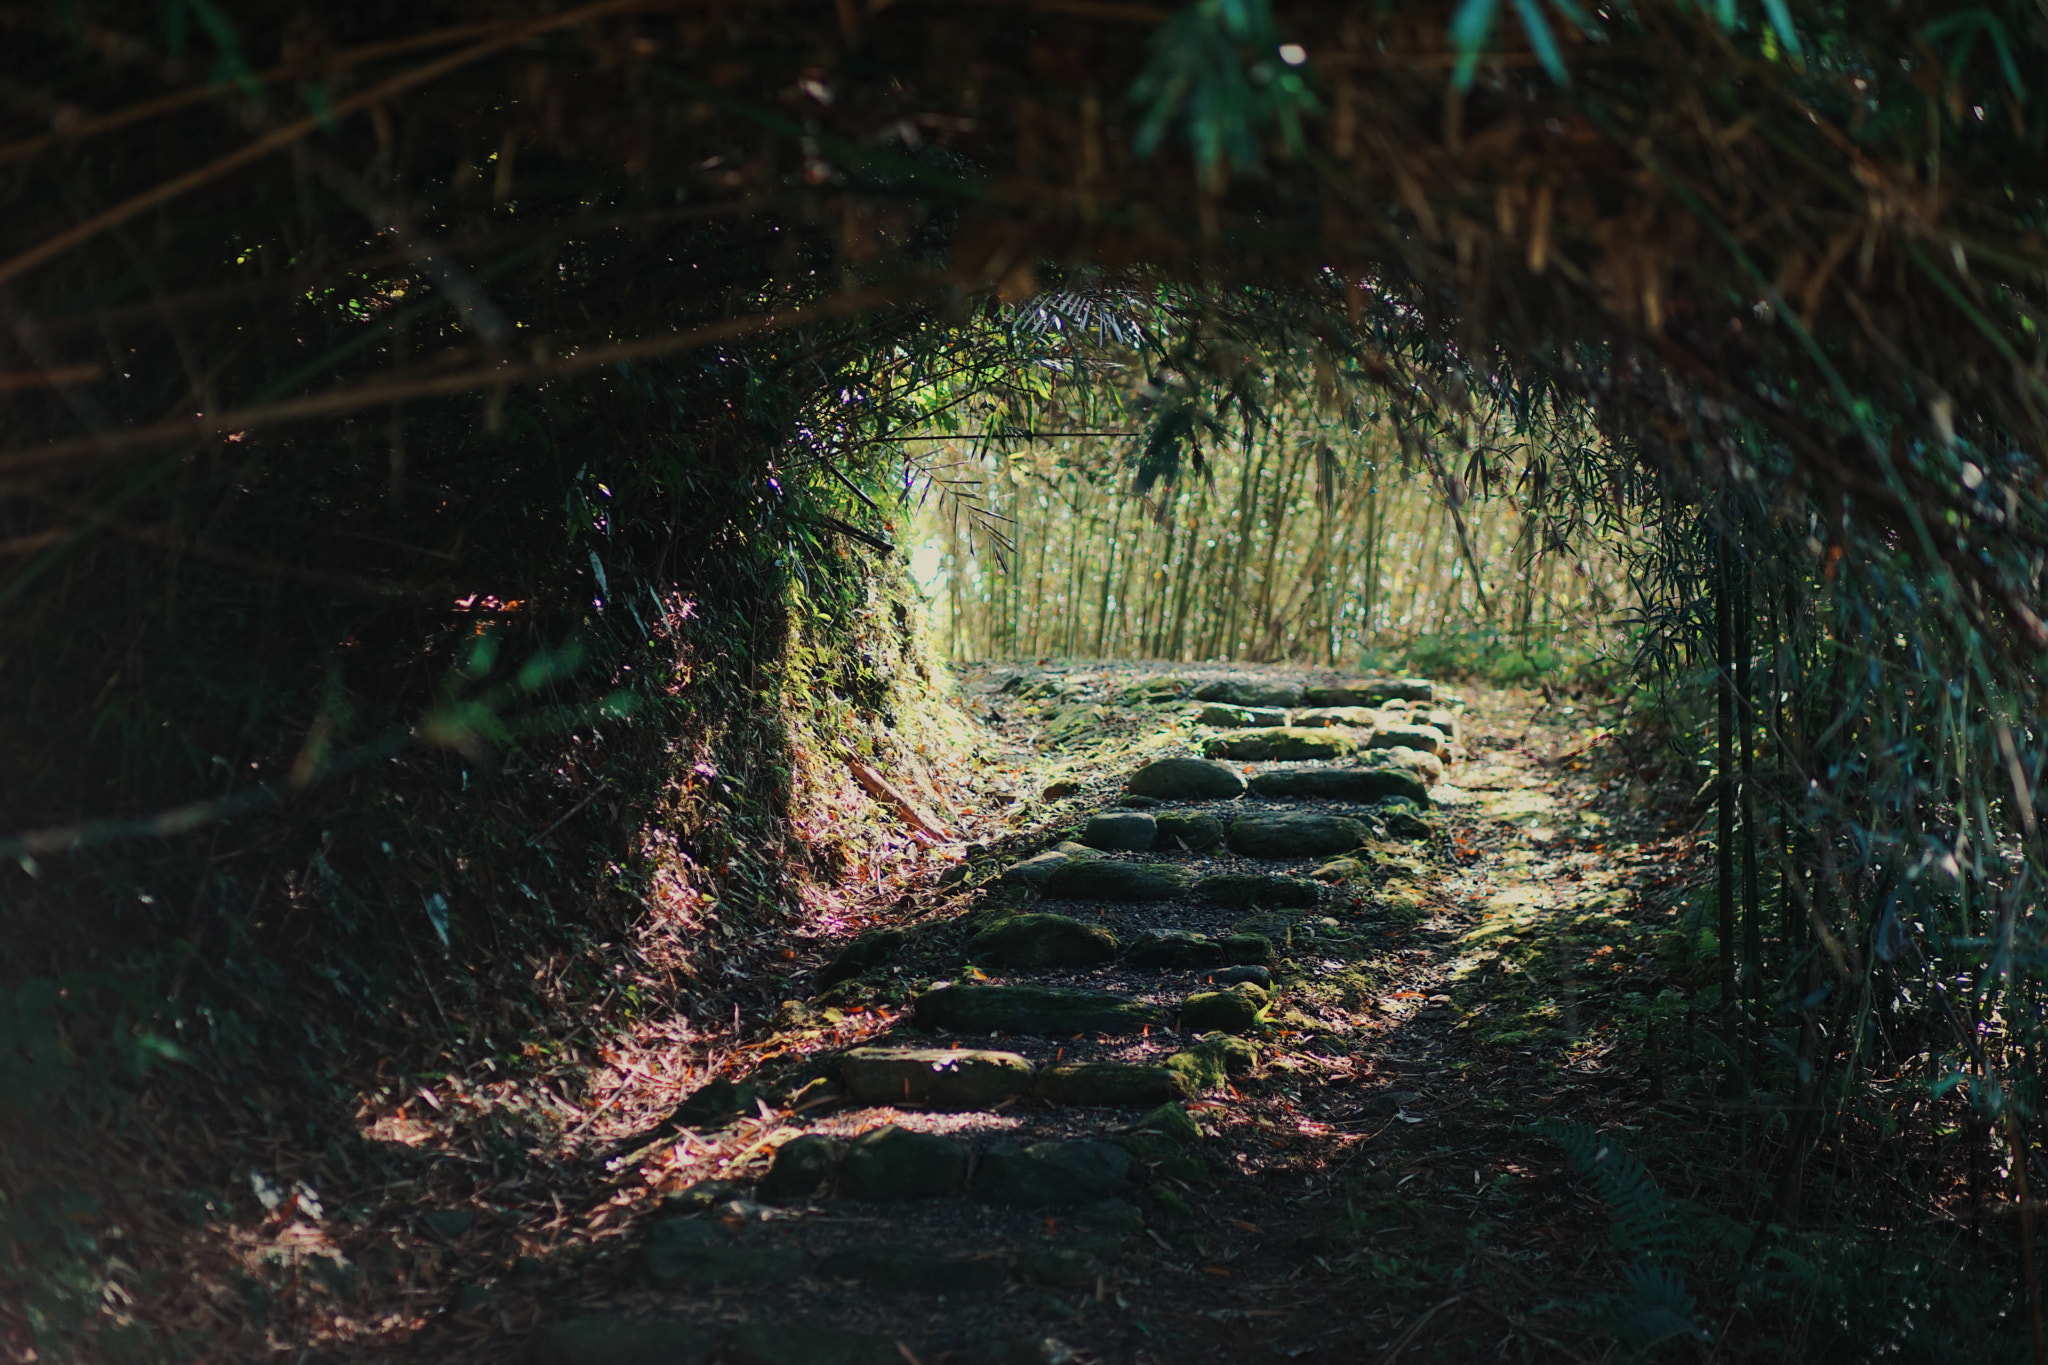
1646, 1221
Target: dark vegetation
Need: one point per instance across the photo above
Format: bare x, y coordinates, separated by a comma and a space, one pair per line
447, 465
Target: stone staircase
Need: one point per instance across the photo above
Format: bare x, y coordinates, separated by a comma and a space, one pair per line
1033, 1123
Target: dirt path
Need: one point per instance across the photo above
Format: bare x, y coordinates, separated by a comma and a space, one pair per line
1251, 1080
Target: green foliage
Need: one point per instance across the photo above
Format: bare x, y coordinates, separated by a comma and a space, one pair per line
1654, 1307
1216, 69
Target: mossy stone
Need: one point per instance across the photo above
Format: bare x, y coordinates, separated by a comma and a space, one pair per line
1420, 764
1034, 870
1041, 940
1214, 1060
1402, 823
1173, 949
1370, 692
1281, 743
1234, 1009
1341, 870
1034, 1011
939, 1078
1248, 949
1294, 834
1363, 785
803, 1166
1426, 738
1112, 1085
1258, 888
1110, 880
1187, 779
1172, 1122
1250, 692
1355, 717
891, 1164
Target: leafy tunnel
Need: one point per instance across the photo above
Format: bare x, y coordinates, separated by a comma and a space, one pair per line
459, 463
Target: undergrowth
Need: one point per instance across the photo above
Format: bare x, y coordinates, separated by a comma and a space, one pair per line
421, 966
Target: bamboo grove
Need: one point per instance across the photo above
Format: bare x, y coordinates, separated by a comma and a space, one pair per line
318, 320
1316, 538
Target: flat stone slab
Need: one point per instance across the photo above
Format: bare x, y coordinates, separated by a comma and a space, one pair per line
1187, 779
1120, 1085
940, 1078
1048, 1174
1294, 834
1427, 738
1357, 717
892, 1163
1223, 716
1234, 1009
603, 1339
1250, 692
693, 1253
1363, 785
1171, 949
1106, 879
1258, 888
1445, 721
1191, 830
1370, 691
893, 1270
1281, 744
1041, 940
1033, 1011
1127, 830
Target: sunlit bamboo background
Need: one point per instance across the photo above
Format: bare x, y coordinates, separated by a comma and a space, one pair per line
1312, 547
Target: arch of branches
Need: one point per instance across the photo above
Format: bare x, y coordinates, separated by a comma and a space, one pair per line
316, 320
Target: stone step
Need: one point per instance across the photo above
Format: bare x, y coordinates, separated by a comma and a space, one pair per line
1369, 692
1187, 779
1137, 831
1363, 785
937, 1078
1033, 1011
1282, 744
1260, 889
1107, 879
967, 1080
1237, 1009
1295, 834
1224, 716
1113, 1085
1038, 940
1248, 692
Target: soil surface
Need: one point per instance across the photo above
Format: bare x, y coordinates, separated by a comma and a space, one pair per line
1367, 1180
